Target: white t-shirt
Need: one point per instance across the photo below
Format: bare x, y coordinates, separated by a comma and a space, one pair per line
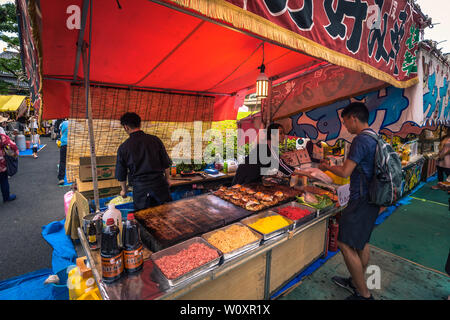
35, 140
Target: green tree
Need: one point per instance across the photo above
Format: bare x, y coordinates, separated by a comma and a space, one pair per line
9, 34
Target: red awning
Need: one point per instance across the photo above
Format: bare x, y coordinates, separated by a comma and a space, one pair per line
143, 44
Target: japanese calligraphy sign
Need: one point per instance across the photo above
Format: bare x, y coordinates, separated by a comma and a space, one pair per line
383, 35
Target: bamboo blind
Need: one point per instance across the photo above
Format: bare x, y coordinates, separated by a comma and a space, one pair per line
161, 113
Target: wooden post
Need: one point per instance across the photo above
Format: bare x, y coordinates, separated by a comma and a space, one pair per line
90, 126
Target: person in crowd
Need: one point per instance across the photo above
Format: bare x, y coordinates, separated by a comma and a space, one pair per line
5, 142
249, 172
64, 129
443, 162
3, 121
358, 218
33, 124
21, 124
57, 126
35, 142
143, 159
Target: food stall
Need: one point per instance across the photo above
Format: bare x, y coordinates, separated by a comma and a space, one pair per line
203, 63
252, 270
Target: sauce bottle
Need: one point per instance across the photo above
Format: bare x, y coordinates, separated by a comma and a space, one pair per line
92, 235
110, 252
113, 212
132, 246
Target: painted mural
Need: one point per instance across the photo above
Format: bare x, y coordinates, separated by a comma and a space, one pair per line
435, 81
395, 110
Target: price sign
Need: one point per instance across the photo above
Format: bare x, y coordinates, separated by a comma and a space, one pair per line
343, 193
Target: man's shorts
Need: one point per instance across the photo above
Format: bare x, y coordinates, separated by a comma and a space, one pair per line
357, 222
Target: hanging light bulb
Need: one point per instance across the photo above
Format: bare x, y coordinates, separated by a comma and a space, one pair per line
262, 82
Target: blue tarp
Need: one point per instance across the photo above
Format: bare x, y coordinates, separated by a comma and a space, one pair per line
29, 152
64, 253
27, 287
31, 285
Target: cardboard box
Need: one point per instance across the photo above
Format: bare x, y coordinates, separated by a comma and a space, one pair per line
106, 188
106, 168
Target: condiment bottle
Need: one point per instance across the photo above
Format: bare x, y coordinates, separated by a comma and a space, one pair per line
92, 234
111, 254
132, 246
114, 213
173, 171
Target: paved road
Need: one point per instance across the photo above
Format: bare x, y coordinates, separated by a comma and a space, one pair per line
39, 202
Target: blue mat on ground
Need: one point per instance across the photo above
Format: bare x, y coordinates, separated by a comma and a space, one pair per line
31, 286
66, 183
64, 253
29, 152
27, 287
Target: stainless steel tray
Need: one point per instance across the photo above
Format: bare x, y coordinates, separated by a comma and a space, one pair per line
241, 250
191, 274
268, 213
313, 212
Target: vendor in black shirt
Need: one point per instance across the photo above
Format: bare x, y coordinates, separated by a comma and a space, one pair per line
249, 171
143, 158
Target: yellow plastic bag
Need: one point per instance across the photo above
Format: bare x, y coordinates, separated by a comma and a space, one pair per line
337, 179
120, 200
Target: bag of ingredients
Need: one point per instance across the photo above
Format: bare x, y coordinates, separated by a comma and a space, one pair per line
120, 200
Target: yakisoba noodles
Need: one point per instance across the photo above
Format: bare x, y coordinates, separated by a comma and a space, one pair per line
232, 238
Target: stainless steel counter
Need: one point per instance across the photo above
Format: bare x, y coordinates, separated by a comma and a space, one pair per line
148, 285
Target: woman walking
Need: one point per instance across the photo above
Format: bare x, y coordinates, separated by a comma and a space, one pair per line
6, 143
443, 163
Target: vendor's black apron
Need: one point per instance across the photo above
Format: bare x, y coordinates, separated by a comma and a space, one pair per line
150, 192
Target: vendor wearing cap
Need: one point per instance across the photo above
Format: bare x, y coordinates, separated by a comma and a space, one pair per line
144, 160
253, 171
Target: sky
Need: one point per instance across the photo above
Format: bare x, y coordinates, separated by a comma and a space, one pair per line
438, 10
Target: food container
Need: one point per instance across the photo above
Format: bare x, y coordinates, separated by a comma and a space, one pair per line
313, 212
237, 252
264, 214
188, 275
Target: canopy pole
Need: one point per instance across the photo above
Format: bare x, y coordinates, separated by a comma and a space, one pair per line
86, 57
80, 38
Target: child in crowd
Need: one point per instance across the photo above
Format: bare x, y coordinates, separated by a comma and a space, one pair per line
35, 142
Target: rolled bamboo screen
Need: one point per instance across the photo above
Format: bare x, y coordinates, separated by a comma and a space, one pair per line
161, 113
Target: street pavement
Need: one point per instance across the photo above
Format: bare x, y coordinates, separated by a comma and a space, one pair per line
39, 202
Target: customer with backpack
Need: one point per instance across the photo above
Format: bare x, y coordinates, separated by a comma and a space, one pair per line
358, 218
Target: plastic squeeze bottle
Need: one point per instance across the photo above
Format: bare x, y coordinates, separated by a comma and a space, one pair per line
132, 245
111, 253
114, 213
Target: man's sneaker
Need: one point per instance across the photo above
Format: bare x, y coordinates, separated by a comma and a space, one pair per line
356, 296
61, 182
12, 197
345, 283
